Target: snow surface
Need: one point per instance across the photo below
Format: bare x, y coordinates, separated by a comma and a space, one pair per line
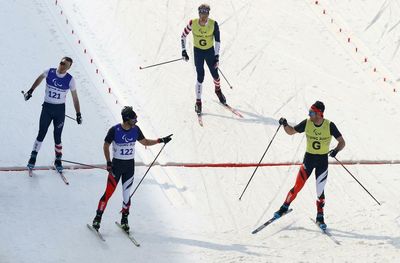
280, 56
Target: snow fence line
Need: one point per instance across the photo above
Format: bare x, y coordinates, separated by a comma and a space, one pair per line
384, 75
85, 50
200, 165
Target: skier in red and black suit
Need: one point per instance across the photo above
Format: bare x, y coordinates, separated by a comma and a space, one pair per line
319, 132
123, 138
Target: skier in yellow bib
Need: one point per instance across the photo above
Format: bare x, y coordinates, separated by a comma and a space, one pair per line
319, 132
205, 32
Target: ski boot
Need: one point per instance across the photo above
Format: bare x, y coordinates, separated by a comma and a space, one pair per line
58, 164
32, 160
320, 221
220, 96
197, 107
124, 222
282, 210
97, 220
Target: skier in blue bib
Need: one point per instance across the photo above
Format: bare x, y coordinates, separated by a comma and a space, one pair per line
58, 83
123, 138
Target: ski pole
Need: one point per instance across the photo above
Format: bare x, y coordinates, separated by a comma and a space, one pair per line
66, 115
87, 165
356, 180
260, 161
162, 63
146, 172
230, 86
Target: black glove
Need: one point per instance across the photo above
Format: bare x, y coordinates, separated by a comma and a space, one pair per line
109, 167
283, 121
165, 139
185, 55
28, 94
78, 118
332, 153
216, 63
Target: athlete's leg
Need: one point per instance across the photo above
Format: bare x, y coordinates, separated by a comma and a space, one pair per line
321, 177
44, 123
199, 57
58, 122
210, 60
127, 182
112, 181
301, 179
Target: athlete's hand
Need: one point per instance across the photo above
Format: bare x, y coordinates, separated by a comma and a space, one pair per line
28, 94
283, 121
216, 63
332, 153
185, 55
109, 167
165, 139
78, 118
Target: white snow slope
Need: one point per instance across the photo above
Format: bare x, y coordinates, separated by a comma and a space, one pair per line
279, 56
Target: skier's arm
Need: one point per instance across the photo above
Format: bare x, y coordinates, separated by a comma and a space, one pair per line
72, 87
338, 136
106, 150
185, 32
289, 129
148, 142
36, 83
76, 101
341, 144
217, 39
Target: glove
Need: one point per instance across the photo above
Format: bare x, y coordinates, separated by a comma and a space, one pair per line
78, 118
283, 121
216, 63
165, 139
332, 153
28, 94
109, 167
185, 55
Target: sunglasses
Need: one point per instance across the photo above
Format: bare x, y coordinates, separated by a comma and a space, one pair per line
62, 63
204, 11
312, 113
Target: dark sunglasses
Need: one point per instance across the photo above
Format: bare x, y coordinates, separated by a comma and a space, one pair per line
62, 63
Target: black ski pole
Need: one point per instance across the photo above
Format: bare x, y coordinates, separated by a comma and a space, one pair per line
147, 172
356, 180
87, 165
159, 64
230, 86
260, 161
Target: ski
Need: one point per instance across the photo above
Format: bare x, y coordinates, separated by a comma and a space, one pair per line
270, 222
234, 111
96, 232
61, 173
326, 232
200, 119
128, 234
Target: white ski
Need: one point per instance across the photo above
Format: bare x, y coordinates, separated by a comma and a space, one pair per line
128, 234
96, 232
326, 232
